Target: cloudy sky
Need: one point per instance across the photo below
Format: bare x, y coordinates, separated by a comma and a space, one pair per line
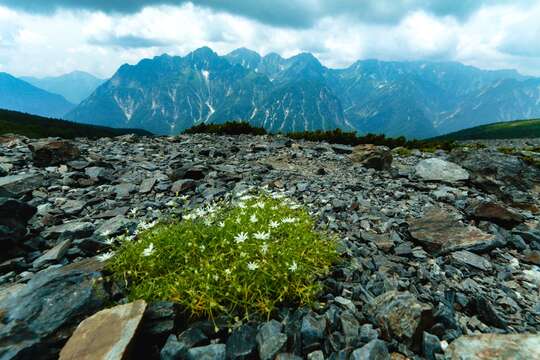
51, 37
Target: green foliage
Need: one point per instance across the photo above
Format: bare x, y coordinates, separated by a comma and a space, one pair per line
228, 128
236, 260
336, 136
501, 130
32, 126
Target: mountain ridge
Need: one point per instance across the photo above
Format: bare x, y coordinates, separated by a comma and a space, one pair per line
167, 94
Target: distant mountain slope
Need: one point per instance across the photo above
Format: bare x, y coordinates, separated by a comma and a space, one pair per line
167, 94
38, 127
415, 99
75, 86
18, 95
501, 130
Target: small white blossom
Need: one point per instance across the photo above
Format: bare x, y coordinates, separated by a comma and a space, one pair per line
264, 248
189, 216
246, 197
105, 256
274, 224
207, 222
252, 265
134, 211
253, 218
109, 241
221, 224
241, 205
227, 271
293, 267
149, 250
216, 278
288, 220
261, 235
200, 212
258, 204
240, 238
238, 220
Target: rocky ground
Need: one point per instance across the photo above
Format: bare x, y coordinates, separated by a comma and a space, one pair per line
441, 252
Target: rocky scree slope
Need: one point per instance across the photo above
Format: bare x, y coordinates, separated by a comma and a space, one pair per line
439, 260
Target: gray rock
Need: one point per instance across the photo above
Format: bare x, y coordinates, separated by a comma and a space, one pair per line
435, 169
242, 343
14, 217
53, 255
316, 355
401, 316
50, 153
370, 156
312, 329
173, 349
470, 259
53, 300
116, 226
21, 184
70, 230
209, 352
182, 185
439, 232
270, 340
373, 350
495, 347
147, 185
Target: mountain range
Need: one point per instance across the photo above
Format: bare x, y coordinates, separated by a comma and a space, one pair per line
19, 95
75, 86
167, 94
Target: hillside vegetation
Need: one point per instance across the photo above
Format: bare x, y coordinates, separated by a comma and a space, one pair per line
501, 130
34, 126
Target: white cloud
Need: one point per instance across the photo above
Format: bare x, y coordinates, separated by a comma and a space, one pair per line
503, 36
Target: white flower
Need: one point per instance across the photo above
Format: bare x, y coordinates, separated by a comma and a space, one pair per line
293, 266
228, 271
288, 220
200, 212
216, 278
183, 197
264, 248
207, 222
105, 256
261, 235
246, 197
258, 204
241, 205
109, 241
149, 250
274, 224
253, 218
189, 216
294, 207
252, 265
240, 238
238, 220
134, 211
221, 224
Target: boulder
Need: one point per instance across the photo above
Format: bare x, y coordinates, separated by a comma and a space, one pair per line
495, 212
270, 340
48, 307
51, 153
116, 226
14, 217
373, 350
242, 344
468, 258
401, 316
435, 169
371, 156
439, 232
495, 347
53, 255
105, 335
20, 184
208, 352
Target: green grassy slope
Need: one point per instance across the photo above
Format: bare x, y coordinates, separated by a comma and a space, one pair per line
34, 126
501, 130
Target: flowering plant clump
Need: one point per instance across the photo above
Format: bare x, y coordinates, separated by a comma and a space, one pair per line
240, 259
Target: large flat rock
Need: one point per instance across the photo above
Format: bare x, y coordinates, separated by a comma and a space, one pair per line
440, 170
495, 347
105, 335
439, 232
